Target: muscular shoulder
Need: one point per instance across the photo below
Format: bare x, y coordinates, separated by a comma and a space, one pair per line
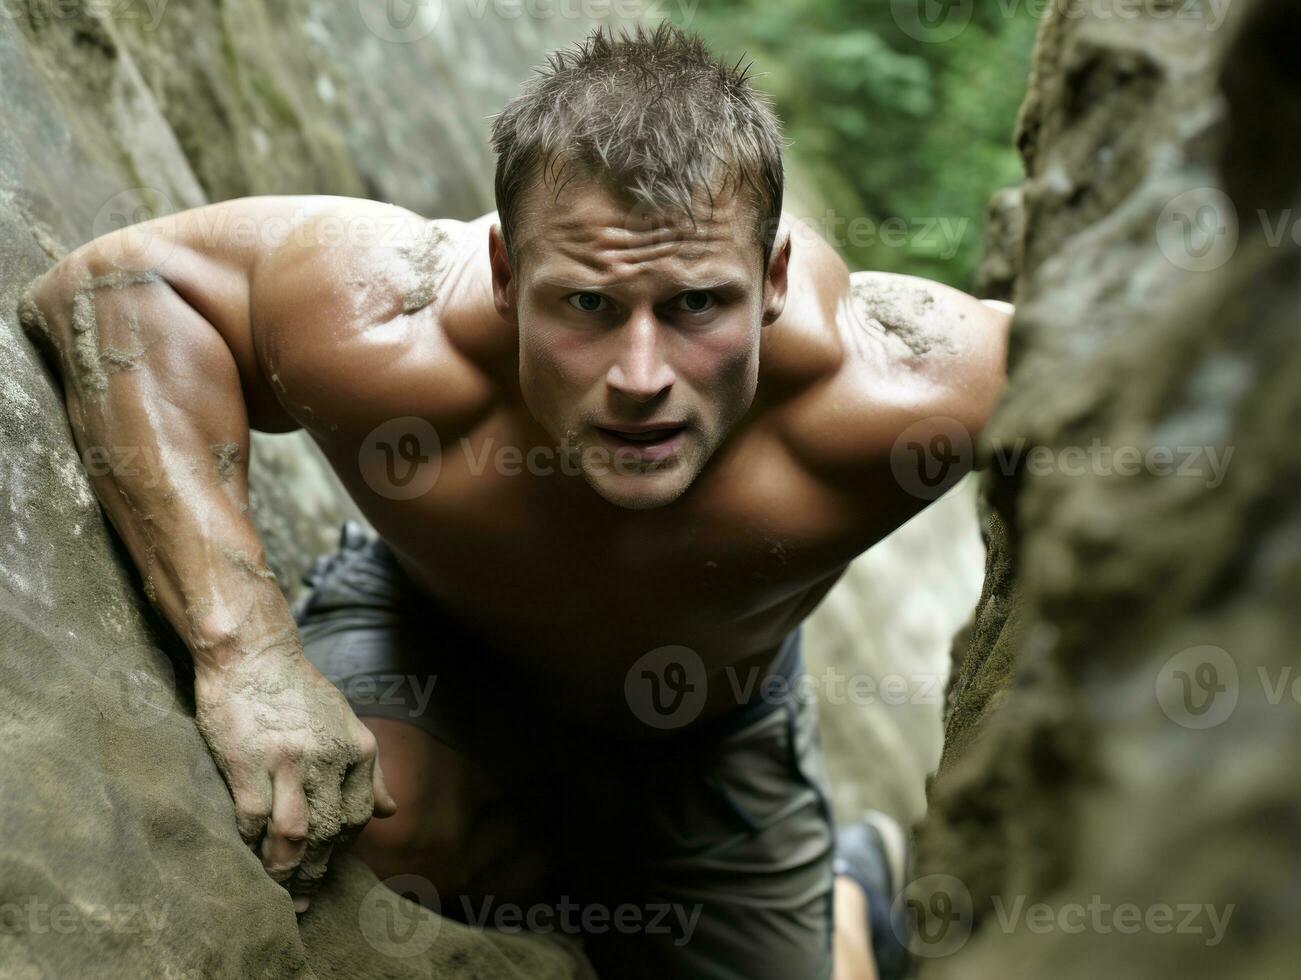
348, 317
902, 353
936, 344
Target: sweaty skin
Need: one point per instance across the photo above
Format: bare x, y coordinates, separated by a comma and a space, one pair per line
342, 316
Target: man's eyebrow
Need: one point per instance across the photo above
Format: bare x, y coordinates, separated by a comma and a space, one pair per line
569, 282
682, 284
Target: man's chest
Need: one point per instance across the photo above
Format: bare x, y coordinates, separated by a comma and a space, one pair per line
503, 534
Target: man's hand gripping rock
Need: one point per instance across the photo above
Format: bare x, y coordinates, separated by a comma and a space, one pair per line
302, 770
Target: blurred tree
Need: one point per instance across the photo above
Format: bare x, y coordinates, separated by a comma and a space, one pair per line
899, 132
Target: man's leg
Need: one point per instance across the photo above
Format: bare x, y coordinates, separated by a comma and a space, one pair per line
735, 833
853, 944
404, 669
456, 830
723, 846
454, 827
871, 867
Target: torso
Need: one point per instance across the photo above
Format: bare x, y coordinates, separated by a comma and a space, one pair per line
567, 589
571, 590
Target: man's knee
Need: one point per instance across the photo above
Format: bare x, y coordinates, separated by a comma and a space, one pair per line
454, 826
430, 784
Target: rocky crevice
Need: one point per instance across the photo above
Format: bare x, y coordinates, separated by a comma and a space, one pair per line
1158, 314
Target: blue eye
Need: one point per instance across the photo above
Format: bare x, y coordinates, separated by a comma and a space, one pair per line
703, 301
587, 302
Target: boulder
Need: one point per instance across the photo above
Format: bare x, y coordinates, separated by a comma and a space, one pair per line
1118, 791
119, 855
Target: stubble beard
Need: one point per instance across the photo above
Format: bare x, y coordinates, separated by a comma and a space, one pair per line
594, 461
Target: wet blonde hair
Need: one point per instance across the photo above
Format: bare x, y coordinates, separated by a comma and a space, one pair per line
654, 117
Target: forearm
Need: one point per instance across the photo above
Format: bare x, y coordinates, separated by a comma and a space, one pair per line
155, 406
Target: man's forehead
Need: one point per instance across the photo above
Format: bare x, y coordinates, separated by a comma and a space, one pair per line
595, 229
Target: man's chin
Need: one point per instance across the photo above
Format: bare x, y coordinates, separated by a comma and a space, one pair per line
642, 491
626, 481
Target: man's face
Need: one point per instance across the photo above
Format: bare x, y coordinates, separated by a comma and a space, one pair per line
638, 336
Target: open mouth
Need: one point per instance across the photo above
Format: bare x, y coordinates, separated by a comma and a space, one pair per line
650, 435
650, 445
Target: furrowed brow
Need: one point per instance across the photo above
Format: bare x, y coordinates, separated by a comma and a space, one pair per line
723, 283
720, 283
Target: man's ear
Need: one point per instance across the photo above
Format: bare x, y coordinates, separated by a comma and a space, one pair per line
503, 277
774, 283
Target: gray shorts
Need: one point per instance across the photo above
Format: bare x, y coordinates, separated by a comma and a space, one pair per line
704, 853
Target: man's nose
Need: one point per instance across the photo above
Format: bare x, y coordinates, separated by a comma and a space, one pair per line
640, 370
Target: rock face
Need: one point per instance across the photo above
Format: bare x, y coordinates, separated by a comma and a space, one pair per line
119, 856
1118, 793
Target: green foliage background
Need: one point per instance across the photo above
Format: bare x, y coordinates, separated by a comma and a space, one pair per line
881, 125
